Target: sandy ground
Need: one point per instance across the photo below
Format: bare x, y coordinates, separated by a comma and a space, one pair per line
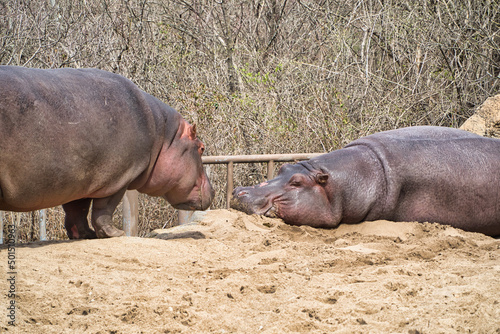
234, 273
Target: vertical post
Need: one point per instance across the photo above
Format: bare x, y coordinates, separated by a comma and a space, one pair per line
130, 212
42, 223
270, 169
17, 224
229, 186
1, 227
184, 216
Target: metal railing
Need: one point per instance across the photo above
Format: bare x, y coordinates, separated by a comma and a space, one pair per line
131, 198
229, 160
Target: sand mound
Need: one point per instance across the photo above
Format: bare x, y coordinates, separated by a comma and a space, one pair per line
231, 272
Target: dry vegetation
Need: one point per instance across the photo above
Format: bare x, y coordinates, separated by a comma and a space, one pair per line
268, 76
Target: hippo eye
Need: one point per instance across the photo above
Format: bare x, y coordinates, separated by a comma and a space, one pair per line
201, 149
296, 180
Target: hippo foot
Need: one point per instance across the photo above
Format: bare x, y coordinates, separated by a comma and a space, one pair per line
75, 234
88, 235
109, 231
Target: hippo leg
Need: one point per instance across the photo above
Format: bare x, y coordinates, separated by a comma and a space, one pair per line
76, 223
102, 215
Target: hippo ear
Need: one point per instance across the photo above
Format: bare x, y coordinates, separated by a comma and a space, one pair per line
189, 131
321, 178
193, 131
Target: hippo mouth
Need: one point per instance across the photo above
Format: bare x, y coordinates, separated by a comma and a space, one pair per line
268, 210
271, 212
200, 198
243, 201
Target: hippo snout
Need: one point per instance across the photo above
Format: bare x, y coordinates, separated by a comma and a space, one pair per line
239, 200
250, 201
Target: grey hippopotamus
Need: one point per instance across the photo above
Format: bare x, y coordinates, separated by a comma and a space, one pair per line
76, 136
424, 174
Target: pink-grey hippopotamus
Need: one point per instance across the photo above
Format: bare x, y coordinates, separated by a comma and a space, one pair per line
73, 137
422, 173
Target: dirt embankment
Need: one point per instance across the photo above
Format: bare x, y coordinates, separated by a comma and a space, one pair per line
247, 274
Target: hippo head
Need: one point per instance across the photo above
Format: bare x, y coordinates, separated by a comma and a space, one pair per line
298, 195
178, 174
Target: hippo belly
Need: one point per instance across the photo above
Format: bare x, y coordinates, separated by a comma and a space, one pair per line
72, 136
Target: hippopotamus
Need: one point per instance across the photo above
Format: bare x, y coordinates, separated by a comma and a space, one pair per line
422, 173
73, 137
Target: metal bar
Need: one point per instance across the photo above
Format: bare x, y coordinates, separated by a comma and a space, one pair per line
269, 158
42, 222
229, 185
224, 159
130, 212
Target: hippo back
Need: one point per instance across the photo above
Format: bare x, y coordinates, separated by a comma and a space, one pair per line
439, 174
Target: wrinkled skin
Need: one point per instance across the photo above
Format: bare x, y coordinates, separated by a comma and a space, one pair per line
76, 137
425, 174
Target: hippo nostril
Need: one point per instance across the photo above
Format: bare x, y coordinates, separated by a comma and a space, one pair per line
239, 191
236, 190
